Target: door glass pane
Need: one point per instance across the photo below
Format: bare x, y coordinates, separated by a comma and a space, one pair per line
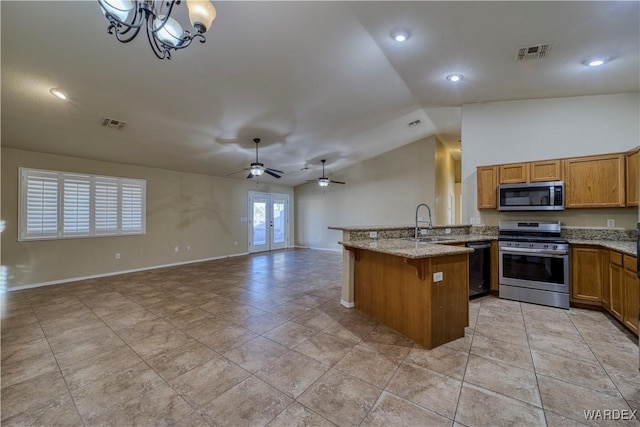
533, 268
278, 221
259, 221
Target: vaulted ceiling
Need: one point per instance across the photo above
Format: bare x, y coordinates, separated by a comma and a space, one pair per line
314, 80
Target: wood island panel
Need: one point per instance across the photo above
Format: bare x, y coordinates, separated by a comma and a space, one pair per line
390, 289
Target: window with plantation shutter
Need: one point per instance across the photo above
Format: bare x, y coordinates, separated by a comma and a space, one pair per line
76, 205
56, 205
106, 205
39, 200
132, 206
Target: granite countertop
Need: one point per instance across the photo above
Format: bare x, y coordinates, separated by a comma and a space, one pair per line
391, 227
407, 249
625, 246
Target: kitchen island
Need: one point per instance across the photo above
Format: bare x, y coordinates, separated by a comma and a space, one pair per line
419, 289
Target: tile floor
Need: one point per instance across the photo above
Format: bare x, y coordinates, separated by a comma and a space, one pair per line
263, 340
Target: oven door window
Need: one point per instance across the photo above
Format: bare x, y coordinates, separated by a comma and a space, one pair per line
534, 268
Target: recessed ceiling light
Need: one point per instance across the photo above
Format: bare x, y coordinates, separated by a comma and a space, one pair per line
58, 93
400, 35
595, 62
455, 77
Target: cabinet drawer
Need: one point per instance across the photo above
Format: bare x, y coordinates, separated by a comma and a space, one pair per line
630, 263
615, 258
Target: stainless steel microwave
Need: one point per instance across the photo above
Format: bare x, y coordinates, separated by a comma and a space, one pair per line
535, 196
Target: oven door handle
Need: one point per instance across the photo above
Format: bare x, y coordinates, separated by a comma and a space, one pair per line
537, 252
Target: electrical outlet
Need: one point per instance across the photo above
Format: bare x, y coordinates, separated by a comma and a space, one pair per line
423, 231
117, 255
373, 234
611, 223
188, 247
447, 231
437, 277
176, 249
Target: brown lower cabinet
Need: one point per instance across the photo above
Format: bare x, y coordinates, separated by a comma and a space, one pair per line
607, 278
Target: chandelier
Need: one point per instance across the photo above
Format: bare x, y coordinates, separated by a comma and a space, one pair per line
165, 34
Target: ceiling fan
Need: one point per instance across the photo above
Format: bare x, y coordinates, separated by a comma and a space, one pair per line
324, 181
256, 168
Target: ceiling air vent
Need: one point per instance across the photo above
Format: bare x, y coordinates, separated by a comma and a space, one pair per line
112, 123
414, 123
533, 52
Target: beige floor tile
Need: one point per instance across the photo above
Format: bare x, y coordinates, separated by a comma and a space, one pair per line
555, 420
73, 336
127, 321
518, 383
100, 366
440, 359
99, 396
553, 328
570, 400
481, 407
566, 346
462, 344
237, 407
160, 343
225, 339
292, 373
144, 329
500, 331
429, 389
290, 334
382, 334
204, 326
176, 361
205, 382
589, 375
23, 361
324, 348
621, 340
340, 398
263, 322
597, 321
17, 321
502, 351
32, 394
373, 363
192, 420
159, 406
316, 319
256, 354
289, 310
124, 307
298, 415
57, 411
512, 318
21, 335
391, 410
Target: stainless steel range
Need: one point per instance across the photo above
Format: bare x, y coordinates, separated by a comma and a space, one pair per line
534, 263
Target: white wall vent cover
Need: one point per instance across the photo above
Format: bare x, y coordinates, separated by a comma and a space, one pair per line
533, 52
112, 123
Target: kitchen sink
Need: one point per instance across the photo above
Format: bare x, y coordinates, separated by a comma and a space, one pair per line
428, 239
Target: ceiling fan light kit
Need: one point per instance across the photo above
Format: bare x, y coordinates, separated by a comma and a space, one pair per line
324, 181
165, 34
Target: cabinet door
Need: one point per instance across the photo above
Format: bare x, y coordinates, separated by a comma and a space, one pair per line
494, 266
550, 170
632, 159
586, 275
616, 279
606, 284
595, 181
630, 298
514, 173
487, 184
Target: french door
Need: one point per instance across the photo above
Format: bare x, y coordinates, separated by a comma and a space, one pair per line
268, 221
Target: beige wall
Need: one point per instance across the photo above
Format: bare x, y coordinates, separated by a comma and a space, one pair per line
516, 131
384, 190
445, 184
183, 209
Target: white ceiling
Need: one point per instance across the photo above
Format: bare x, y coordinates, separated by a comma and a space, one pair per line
314, 80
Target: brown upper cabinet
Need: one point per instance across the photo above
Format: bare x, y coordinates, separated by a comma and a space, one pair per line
595, 181
514, 173
632, 159
542, 171
487, 177
548, 170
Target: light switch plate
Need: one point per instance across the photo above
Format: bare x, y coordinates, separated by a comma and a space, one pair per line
447, 231
437, 277
423, 231
611, 223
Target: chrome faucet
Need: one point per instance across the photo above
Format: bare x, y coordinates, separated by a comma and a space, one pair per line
417, 222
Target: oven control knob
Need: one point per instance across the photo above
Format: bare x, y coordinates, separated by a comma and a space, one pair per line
517, 244
555, 246
546, 246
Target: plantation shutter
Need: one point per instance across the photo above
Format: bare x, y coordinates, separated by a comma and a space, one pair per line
132, 206
106, 205
76, 208
40, 204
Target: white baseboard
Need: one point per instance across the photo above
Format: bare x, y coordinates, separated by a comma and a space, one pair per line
325, 249
116, 273
347, 304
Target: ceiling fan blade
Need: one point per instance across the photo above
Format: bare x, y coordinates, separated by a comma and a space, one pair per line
276, 171
336, 182
269, 171
233, 173
249, 176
